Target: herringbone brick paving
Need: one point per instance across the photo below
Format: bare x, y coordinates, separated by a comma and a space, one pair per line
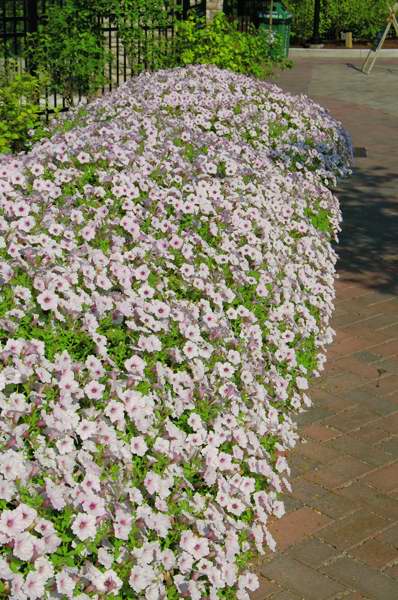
339, 538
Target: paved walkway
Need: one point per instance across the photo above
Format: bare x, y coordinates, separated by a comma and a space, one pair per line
339, 538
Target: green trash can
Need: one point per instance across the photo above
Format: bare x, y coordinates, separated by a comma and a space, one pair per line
281, 24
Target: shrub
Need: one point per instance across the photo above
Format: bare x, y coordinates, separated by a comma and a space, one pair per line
69, 46
363, 17
220, 43
19, 109
167, 289
139, 22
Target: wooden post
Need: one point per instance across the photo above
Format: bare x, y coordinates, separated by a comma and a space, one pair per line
372, 54
348, 39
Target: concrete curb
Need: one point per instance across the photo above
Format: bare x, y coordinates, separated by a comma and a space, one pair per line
339, 53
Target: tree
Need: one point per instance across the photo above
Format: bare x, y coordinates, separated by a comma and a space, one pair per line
317, 13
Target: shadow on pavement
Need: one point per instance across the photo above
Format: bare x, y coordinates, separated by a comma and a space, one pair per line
368, 248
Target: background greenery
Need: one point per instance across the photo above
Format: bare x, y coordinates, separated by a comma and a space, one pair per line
20, 119
70, 54
363, 17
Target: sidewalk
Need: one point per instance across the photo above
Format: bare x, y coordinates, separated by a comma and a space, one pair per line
339, 538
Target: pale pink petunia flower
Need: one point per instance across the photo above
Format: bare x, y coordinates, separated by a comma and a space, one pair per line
48, 300
84, 526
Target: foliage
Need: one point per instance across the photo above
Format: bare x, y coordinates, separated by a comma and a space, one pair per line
139, 22
363, 17
69, 46
167, 289
20, 119
221, 44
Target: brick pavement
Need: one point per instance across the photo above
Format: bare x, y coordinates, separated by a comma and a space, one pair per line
339, 538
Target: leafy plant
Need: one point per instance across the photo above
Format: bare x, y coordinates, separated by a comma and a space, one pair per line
221, 44
69, 46
141, 25
20, 119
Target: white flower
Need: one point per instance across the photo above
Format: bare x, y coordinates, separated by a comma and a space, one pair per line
34, 586
48, 300
196, 546
23, 546
108, 582
65, 583
302, 383
191, 350
84, 526
141, 577
138, 445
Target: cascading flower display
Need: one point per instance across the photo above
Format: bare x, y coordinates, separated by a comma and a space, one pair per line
166, 290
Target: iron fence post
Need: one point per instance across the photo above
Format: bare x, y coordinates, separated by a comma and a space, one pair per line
32, 21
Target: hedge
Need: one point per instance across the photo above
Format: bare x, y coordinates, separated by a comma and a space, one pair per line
167, 286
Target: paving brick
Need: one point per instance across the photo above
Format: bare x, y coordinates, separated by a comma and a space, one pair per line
333, 505
369, 356
344, 347
386, 349
390, 423
343, 381
291, 503
390, 536
317, 413
361, 368
371, 433
390, 446
392, 571
286, 596
312, 552
301, 464
382, 320
318, 452
371, 454
352, 596
362, 578
389, 364
336, 474
306, 490
319, 432
295, 526
384, 479
352, 529
369, 498
368, 396
388, 385
350, 419
300, 578
375, 553
380, 404
266, 590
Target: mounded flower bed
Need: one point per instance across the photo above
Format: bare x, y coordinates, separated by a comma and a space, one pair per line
167, 286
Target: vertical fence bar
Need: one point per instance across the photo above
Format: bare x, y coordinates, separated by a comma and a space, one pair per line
154, 46
32, 23
117, 54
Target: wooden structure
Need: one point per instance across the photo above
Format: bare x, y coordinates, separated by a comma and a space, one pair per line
373, 53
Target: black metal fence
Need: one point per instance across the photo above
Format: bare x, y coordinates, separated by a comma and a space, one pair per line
20, 18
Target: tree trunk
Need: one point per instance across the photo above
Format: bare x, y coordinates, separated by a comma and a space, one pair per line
317, 11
